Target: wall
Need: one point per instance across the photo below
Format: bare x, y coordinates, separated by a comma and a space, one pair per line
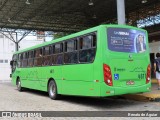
7, 48
154, 47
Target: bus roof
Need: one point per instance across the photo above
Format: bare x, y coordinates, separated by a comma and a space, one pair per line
75, 35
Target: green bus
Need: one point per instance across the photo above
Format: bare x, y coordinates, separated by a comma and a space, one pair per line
102, 61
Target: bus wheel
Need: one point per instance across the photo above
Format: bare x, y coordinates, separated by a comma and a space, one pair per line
19, 87
52, 90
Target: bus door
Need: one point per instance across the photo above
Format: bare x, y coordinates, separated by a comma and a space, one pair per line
127, 57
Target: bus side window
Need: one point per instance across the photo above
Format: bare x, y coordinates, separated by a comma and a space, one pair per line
47, 57
53, 55
57, 48
75, 44
53, 49
40, 52
70, 55
94, 40
57, 57
87, 48
24, 61
38, 57
80, 43
61, 47
60, 55
19, 60
30, 58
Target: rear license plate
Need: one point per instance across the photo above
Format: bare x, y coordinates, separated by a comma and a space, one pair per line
130, 82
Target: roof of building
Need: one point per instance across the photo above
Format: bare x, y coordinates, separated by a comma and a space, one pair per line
70, 15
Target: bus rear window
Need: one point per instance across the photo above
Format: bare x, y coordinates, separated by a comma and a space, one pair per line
126, 40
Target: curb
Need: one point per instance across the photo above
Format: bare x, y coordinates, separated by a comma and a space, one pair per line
153, 81
145, 97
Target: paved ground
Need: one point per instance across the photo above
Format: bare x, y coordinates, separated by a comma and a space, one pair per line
30, 100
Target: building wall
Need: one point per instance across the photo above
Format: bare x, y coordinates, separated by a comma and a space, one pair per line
154, 47
29, 41
7, 47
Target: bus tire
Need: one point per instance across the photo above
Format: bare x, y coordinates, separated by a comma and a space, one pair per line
52, 90
19, 87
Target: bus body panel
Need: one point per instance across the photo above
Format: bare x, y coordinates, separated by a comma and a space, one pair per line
125, 69
77, 79
111, 91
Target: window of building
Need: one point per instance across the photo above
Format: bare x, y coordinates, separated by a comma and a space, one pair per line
1, 61
5, 61
1, 36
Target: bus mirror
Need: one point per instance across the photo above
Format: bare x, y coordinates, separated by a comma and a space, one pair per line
11, 62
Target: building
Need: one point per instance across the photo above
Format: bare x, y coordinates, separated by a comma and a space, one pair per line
7, 48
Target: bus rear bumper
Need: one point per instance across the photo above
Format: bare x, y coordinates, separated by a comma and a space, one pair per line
111, 91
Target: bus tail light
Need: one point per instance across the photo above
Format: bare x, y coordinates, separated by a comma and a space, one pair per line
107, 75
148, 74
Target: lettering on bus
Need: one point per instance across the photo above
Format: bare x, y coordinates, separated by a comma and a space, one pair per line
119, 69
138, 69
141, 76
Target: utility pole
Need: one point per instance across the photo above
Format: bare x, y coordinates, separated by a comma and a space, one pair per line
16, 43
121, 12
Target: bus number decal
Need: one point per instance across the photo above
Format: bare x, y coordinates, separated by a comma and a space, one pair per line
116, 76
141, 76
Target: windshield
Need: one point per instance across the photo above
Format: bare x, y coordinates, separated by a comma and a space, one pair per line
126, 40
